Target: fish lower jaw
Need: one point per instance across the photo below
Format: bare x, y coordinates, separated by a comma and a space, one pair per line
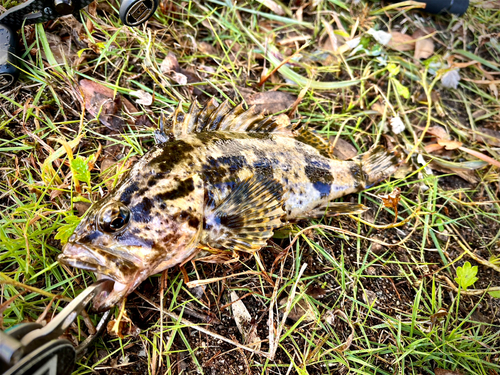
113, 297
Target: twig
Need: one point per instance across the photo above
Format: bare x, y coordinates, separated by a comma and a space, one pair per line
468, 292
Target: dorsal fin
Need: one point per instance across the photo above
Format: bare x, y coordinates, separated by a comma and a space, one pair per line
313, 139
223, 117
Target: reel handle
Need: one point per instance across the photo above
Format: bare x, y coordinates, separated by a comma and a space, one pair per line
136, 12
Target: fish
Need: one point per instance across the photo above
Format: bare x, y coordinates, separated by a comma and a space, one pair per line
219, 176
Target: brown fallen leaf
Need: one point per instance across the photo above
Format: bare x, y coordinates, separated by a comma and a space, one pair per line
343, 150
81, 208
424, 48
403, 171
276, 8
143, 97
316, 292
108, 170
401, 42
488, 136
440, 371
433, 147
467, 175
378, 107
101, 101
438, 131
488, 4
271, 101
434, 318
169, 64
391, 200
449, 144
301, 310
207, 49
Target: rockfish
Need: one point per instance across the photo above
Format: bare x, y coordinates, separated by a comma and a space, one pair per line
218, 177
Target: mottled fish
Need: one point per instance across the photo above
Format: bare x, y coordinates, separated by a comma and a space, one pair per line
220, 177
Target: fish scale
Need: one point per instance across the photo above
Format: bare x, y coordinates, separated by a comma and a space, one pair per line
221, 177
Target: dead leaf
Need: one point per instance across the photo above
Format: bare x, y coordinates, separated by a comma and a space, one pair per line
467, 175
404, 170
56, 47
440, 371
494, 89
488, 137
316, 292
81, 208
488, 4
424, 48
378, 107
243, 321
442, 312
180, 78
433, 147
330, 319
382, 37
143, 97
169, 64
301, 310
331, 43
108, 170
343, 150
100, 101
271, 101
392, 200
449, 144
401, 42
207, 49
438, 131
276, 8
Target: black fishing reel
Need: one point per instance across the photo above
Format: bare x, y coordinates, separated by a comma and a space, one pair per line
132, 13
458, 7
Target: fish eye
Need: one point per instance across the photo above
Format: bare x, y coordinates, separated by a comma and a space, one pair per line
114, 217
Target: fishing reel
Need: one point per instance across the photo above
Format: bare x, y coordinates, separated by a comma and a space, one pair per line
458, 7
132, 13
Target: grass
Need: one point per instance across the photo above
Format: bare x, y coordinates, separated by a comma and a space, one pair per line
379, 288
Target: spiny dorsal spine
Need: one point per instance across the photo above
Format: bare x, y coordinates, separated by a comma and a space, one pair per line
224, 117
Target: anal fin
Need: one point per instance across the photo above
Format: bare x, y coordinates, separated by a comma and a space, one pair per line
335, 208
247, 217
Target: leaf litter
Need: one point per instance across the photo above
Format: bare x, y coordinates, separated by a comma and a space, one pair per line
371, 279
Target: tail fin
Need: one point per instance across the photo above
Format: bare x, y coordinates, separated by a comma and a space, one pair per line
377, 164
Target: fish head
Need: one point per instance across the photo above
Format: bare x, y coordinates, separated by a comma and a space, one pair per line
127, 238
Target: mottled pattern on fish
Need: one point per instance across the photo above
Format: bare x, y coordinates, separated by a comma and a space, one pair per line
220, 177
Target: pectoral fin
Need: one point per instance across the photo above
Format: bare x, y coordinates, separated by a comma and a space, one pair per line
246, 218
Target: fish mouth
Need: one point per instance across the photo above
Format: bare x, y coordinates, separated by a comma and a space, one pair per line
106, 265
